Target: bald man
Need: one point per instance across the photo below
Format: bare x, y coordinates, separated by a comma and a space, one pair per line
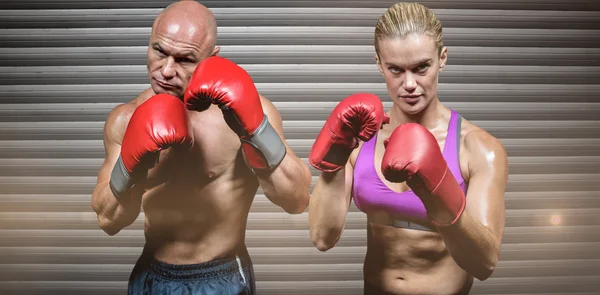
188, 168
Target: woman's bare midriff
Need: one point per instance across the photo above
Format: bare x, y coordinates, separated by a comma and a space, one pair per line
409, 261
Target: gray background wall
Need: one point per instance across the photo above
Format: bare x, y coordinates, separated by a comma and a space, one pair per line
528, 72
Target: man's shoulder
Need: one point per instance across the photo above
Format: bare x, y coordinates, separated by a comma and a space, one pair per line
269, 108
266, 103
120, 114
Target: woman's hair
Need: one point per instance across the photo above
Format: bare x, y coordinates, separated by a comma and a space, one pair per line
403, 19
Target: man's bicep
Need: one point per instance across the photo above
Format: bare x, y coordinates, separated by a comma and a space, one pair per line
113, 135
275, 120
487, 185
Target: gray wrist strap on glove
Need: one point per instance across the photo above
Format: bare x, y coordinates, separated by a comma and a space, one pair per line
268, 143
120, 179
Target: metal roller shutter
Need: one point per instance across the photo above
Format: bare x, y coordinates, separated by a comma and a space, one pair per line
527, 71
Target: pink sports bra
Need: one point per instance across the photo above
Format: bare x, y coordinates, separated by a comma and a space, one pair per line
370, 192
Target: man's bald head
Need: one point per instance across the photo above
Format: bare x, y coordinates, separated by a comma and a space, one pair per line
188, 21
183, 34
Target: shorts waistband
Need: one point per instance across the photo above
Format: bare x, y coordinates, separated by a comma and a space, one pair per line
407, 224
206, 270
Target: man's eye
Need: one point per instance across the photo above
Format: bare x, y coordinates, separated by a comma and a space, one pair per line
184, 60
423, 68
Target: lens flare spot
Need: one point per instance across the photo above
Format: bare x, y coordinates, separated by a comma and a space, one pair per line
555, 220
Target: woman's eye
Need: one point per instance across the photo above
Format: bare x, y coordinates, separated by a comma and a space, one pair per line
394, 70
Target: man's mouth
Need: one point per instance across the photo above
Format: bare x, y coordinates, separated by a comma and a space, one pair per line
164, 85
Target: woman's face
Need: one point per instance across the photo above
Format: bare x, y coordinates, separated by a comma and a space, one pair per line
411, 67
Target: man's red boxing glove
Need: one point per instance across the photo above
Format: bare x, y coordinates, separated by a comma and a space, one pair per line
220, 81
412, 154
357, 116
157, 124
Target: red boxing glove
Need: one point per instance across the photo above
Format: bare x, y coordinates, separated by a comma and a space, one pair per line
157, 124
357, 116
220, 81
413, 155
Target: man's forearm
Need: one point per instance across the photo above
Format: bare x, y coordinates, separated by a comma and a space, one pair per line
288, 184
115, 213
473, 246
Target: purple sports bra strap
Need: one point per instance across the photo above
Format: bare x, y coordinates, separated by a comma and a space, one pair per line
368, 148
452, 145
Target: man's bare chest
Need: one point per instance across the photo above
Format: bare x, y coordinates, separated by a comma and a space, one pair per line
215, 151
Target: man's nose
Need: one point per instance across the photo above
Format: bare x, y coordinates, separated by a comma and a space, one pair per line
168, 70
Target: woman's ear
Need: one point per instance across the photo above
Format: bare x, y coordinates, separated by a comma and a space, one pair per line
443, 57
378, 62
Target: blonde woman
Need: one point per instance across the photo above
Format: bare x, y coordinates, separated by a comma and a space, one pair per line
430, 182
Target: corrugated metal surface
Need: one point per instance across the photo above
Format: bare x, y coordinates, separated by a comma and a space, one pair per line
527, 71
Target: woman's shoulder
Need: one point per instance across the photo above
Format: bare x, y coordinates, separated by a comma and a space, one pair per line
480, 145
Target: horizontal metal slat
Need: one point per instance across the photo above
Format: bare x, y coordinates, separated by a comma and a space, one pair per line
51, 149
308, 92
275, 272
86, 184
502, 127
298, 16
45, 202
115, 272
306, 73
553, 182
585, 5
539, 130
560, 164
320, 111
301, 135
491, 286
290, 54
64, 288
538, 285
551, 146
548, 251
275, 238
280, 255
301, 288
89, 167
282, 221
295, 35
51, 130
568, 145
559, 199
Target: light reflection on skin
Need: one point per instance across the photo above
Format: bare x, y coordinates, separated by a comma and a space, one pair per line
490, 156
173, 28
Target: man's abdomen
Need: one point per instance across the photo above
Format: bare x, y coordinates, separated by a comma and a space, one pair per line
194, 226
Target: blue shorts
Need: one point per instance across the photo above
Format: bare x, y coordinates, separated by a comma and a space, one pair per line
221, 276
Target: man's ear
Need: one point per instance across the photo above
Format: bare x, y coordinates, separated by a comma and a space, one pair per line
216, 50
443, 57
378, 62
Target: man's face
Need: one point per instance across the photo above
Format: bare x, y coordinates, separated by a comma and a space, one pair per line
173, 54
411, 67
